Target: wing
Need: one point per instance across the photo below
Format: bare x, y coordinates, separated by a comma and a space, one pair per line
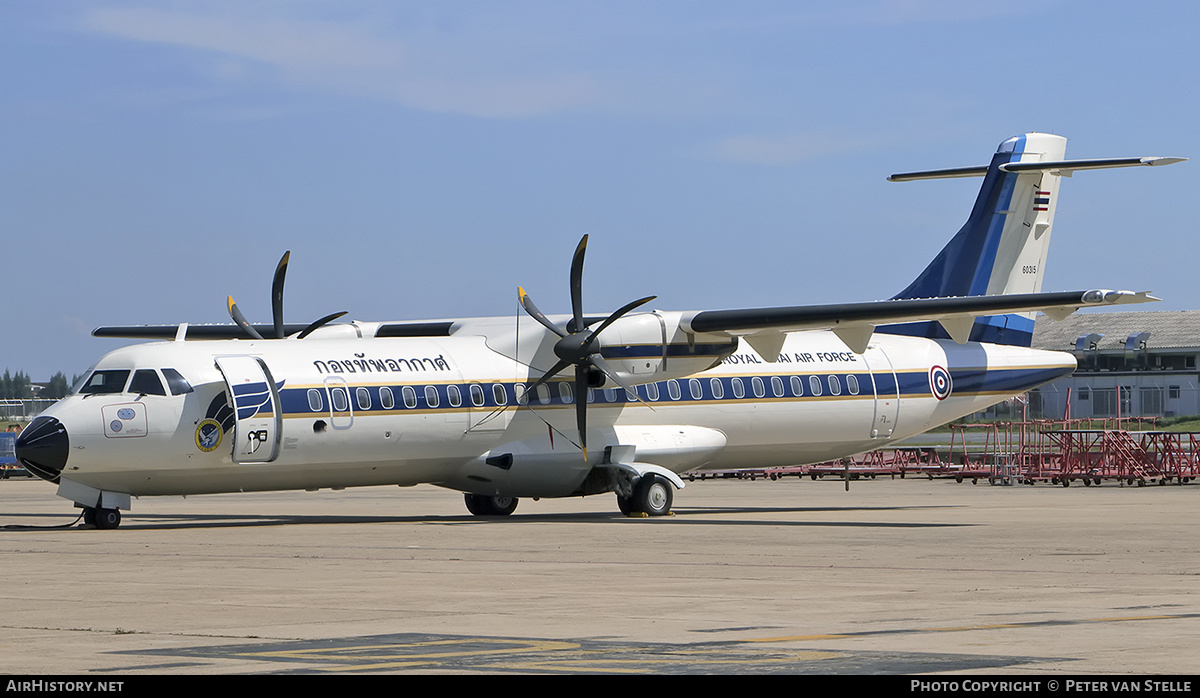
855, 323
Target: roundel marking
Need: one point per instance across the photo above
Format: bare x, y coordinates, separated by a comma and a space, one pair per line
939, 382
208, 435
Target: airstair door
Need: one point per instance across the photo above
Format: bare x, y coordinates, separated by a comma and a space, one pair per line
887, 392
255, 400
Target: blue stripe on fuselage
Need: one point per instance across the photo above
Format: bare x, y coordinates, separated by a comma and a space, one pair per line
913, 384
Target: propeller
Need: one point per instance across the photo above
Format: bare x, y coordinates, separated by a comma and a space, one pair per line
277, 308
578, 345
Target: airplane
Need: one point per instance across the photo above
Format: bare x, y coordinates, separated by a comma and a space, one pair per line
505, 408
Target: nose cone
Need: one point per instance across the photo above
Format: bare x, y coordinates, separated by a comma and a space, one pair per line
42, 448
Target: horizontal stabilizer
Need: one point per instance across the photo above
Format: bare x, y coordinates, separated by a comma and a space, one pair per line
1066, 167
1061, 167
940, 174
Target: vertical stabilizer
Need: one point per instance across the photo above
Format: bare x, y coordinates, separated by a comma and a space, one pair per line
1002, 247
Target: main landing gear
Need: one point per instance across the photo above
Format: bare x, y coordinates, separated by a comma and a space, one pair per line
103, 519
484, 505
651, 496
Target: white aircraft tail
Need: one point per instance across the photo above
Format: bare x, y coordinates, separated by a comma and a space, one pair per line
1002, 247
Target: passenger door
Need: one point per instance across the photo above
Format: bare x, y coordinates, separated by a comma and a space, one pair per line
255, 401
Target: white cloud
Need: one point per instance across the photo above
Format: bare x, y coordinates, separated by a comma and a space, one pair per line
352, 58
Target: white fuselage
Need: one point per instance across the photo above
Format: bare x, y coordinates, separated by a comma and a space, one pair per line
354, 412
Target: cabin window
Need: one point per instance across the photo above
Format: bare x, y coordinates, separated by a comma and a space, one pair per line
835, 385
695, 389
146, 382
591, 396
431, 396
814, 384
476, 391
717, 387
756, 385
454, 395
176, 383
673, 389
543, 394
409, 395
498, 394
103, 382
315, 402
610, 394
386, 400
852, 384
739, 388
340, 400
776, 386
566, 392
797, 386
652, 391
364, 398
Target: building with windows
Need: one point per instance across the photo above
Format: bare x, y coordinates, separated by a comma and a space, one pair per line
1133, 364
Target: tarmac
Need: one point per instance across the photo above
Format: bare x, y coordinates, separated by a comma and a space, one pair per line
894, 576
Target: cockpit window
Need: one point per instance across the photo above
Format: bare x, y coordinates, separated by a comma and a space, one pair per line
102, 382
177, 383
146, 382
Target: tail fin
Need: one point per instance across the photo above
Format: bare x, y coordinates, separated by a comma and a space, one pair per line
1002, 247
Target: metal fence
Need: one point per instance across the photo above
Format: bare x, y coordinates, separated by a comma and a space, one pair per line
22, 410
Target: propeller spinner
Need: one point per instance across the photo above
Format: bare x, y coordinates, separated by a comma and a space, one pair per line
578, 345
277, 308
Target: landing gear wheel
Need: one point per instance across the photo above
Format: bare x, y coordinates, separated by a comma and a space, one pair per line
107, 518
626, 505
89, 516
486, 505
653, 495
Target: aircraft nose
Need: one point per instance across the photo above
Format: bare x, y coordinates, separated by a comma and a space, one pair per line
42, 448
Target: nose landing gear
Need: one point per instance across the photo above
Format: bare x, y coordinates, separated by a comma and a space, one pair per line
103, 519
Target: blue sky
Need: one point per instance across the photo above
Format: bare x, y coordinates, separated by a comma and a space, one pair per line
422, 159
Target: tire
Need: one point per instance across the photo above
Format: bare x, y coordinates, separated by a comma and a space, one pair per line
626, 505
653, 496
108, 518
503, 506
486, 505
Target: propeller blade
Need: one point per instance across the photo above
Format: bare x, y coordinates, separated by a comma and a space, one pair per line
277, 294
577, 346
554, 371
577, 287
241, 320
527, 303
320, 323
617, 315
600, 363
581, 387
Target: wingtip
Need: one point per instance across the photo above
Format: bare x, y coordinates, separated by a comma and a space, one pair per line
1157, 161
